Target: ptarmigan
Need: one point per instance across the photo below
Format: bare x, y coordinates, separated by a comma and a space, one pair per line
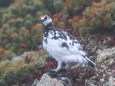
62, 46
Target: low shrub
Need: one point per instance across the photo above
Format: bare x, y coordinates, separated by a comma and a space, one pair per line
11, 72
5, 3
53, 6
72, 5
96, 19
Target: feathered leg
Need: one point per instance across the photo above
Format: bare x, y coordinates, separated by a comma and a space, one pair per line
59, 66
66, 66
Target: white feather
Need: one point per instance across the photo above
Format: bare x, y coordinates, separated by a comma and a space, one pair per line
71, 51
55, 49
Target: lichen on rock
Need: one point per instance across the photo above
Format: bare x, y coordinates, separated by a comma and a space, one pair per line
105, 55
48, 81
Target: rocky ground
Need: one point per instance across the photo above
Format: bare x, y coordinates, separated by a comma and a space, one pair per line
102, 75
100, 48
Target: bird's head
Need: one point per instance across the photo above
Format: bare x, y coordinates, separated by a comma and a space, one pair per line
46, 20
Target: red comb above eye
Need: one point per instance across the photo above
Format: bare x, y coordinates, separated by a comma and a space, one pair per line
45, 17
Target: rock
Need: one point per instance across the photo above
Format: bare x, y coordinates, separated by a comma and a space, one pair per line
106, 55
106, 66
35, 82
48, 81
102, 75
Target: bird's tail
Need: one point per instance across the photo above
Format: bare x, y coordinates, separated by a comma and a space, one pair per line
91, 63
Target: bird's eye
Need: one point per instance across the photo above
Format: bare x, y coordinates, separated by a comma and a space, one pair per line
45, 17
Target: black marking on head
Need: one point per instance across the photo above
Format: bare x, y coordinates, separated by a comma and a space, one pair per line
64, 44
45, 18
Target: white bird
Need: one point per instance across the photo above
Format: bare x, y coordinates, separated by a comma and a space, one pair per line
62, 46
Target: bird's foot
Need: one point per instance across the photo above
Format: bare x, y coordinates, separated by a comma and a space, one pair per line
52, 73
66, 67
56, 70
60, 70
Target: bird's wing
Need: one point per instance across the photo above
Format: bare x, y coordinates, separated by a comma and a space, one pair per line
74, 46
67, 42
